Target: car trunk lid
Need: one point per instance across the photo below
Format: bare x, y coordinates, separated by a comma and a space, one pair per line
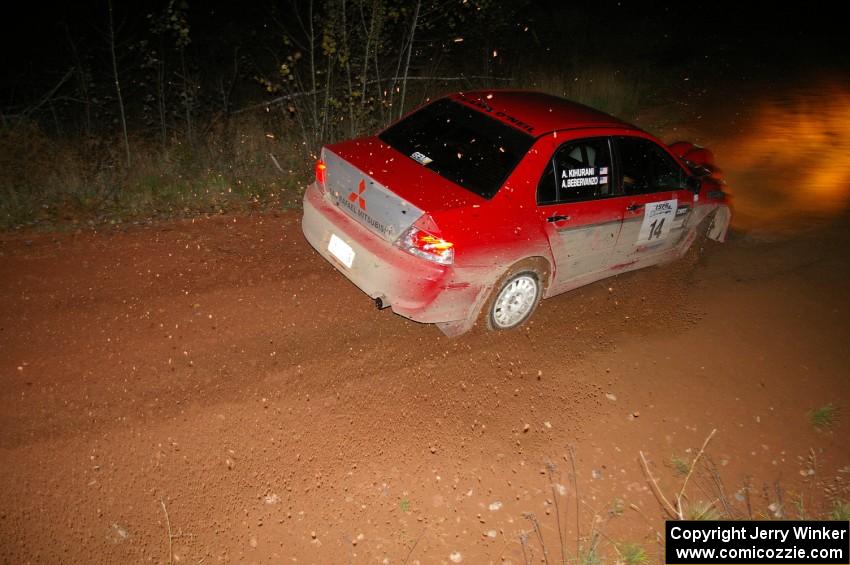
385, 191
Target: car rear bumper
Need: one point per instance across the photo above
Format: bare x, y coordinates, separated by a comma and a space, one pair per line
412, 287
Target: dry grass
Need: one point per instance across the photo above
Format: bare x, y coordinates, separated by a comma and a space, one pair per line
254, 160
243, 165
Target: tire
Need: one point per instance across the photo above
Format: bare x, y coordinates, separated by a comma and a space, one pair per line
514, 299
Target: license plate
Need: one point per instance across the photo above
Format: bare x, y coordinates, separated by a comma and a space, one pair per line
341, 250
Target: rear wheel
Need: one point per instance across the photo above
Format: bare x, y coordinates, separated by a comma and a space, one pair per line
514, 300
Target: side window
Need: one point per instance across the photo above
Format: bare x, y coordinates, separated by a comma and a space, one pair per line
646, 167
579, 170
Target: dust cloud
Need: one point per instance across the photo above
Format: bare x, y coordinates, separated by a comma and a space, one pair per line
788, 164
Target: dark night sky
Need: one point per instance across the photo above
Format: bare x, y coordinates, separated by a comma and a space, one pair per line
737, 40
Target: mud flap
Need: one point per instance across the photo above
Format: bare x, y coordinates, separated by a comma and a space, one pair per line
460, 327
456, 328
720, 224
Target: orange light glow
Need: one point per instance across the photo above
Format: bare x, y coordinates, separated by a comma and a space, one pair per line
428, 242
791, 163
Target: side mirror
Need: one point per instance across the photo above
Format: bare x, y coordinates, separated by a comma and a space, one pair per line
694, 183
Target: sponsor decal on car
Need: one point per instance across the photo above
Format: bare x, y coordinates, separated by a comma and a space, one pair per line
420, 158
359, 209
481, 105
358, 196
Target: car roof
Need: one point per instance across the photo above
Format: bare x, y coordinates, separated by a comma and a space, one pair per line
538, 113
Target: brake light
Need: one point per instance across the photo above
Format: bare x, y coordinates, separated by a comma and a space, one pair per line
320, 172
427, 246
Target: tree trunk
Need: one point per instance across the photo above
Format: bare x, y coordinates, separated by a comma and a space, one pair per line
187, 96
409, 53
81, 77
118, 84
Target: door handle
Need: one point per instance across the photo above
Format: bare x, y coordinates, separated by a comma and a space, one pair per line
634, 207
557, 218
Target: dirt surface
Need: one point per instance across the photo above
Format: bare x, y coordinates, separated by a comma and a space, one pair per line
212, 391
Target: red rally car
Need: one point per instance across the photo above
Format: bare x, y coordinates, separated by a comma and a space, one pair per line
479, 204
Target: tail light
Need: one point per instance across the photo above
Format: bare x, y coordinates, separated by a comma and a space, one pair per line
427, 246
320, 173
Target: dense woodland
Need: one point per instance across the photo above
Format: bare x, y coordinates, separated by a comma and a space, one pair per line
117, 111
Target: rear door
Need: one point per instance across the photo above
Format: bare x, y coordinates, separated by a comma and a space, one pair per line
579, 211
657, 201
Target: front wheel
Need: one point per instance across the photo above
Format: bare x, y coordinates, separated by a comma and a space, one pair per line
514, 300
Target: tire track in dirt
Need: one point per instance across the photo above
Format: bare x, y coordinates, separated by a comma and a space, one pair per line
263, 398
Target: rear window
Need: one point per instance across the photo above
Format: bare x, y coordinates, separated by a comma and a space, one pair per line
460, 144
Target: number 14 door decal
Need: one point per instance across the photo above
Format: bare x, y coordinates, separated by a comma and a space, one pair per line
657, 220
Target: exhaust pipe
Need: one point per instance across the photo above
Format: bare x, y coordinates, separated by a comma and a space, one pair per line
381, 302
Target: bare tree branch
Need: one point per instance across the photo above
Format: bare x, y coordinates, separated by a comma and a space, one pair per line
294, 95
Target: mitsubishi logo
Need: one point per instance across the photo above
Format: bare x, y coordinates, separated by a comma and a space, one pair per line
352, 196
